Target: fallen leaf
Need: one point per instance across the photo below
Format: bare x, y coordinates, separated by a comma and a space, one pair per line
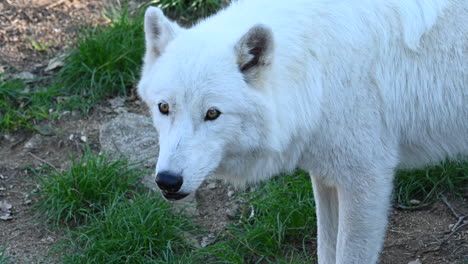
55, 63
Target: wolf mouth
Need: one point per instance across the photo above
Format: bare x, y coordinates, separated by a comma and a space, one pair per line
171, 196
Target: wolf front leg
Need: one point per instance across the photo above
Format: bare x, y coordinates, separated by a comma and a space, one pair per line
363, 212
326, 201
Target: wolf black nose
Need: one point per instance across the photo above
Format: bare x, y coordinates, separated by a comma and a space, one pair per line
169, 182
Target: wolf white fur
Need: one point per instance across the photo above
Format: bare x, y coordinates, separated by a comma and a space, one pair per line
348, 90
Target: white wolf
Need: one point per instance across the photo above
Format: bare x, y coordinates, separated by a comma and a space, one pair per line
348, 90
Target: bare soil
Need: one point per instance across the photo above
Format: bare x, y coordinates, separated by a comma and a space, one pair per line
422, 234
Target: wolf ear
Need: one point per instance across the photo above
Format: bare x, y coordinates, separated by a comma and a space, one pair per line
159, 31
255, 51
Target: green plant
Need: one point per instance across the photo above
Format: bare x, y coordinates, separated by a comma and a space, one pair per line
188, 11
427, 184
21, 104
87, 188
138, 229
278, 220
106, 61
38, 46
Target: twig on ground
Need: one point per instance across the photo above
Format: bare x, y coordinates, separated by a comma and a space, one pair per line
43, 161
457, 226
459, 217
454, 212
55, 4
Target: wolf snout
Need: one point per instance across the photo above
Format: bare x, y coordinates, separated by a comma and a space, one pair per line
170, 184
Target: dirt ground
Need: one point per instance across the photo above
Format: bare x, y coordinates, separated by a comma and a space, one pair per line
422, 234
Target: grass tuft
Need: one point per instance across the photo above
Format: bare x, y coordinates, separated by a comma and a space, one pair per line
106, 61
142, 229
428, 184
21, 104
278, 220
188, 11
87, 188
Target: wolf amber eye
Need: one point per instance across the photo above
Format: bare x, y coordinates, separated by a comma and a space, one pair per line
163, 108
212, 114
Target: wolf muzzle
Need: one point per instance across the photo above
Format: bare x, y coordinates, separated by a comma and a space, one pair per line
170, 183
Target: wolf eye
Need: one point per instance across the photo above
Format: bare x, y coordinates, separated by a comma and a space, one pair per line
163, 108
212, 114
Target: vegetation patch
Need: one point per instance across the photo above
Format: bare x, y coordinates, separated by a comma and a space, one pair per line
140, 229
277, 224
187, 12
106, 61
92, 183
428, 184
21, 104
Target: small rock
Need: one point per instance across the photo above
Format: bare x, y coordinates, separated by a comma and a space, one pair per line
232, 212
207, 240
132, 136
84, 139
414, 202
48, 239
190, 239
230, 193
9, 137
44, 129
211, 186
23, 76
117, 102
2, 177
5, 212
120, 110
27, 202
2, 189
417, 261
34, 142
71, 137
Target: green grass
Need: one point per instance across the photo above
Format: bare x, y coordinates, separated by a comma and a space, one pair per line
428, 184
106, 61
277, 223
21, 105
142, 229
188, 11
110, 219
4, 258
87, 188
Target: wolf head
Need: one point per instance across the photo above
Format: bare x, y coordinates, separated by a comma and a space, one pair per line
206, 92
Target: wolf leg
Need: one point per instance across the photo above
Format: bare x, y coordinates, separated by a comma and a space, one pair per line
363, 212
326, 200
